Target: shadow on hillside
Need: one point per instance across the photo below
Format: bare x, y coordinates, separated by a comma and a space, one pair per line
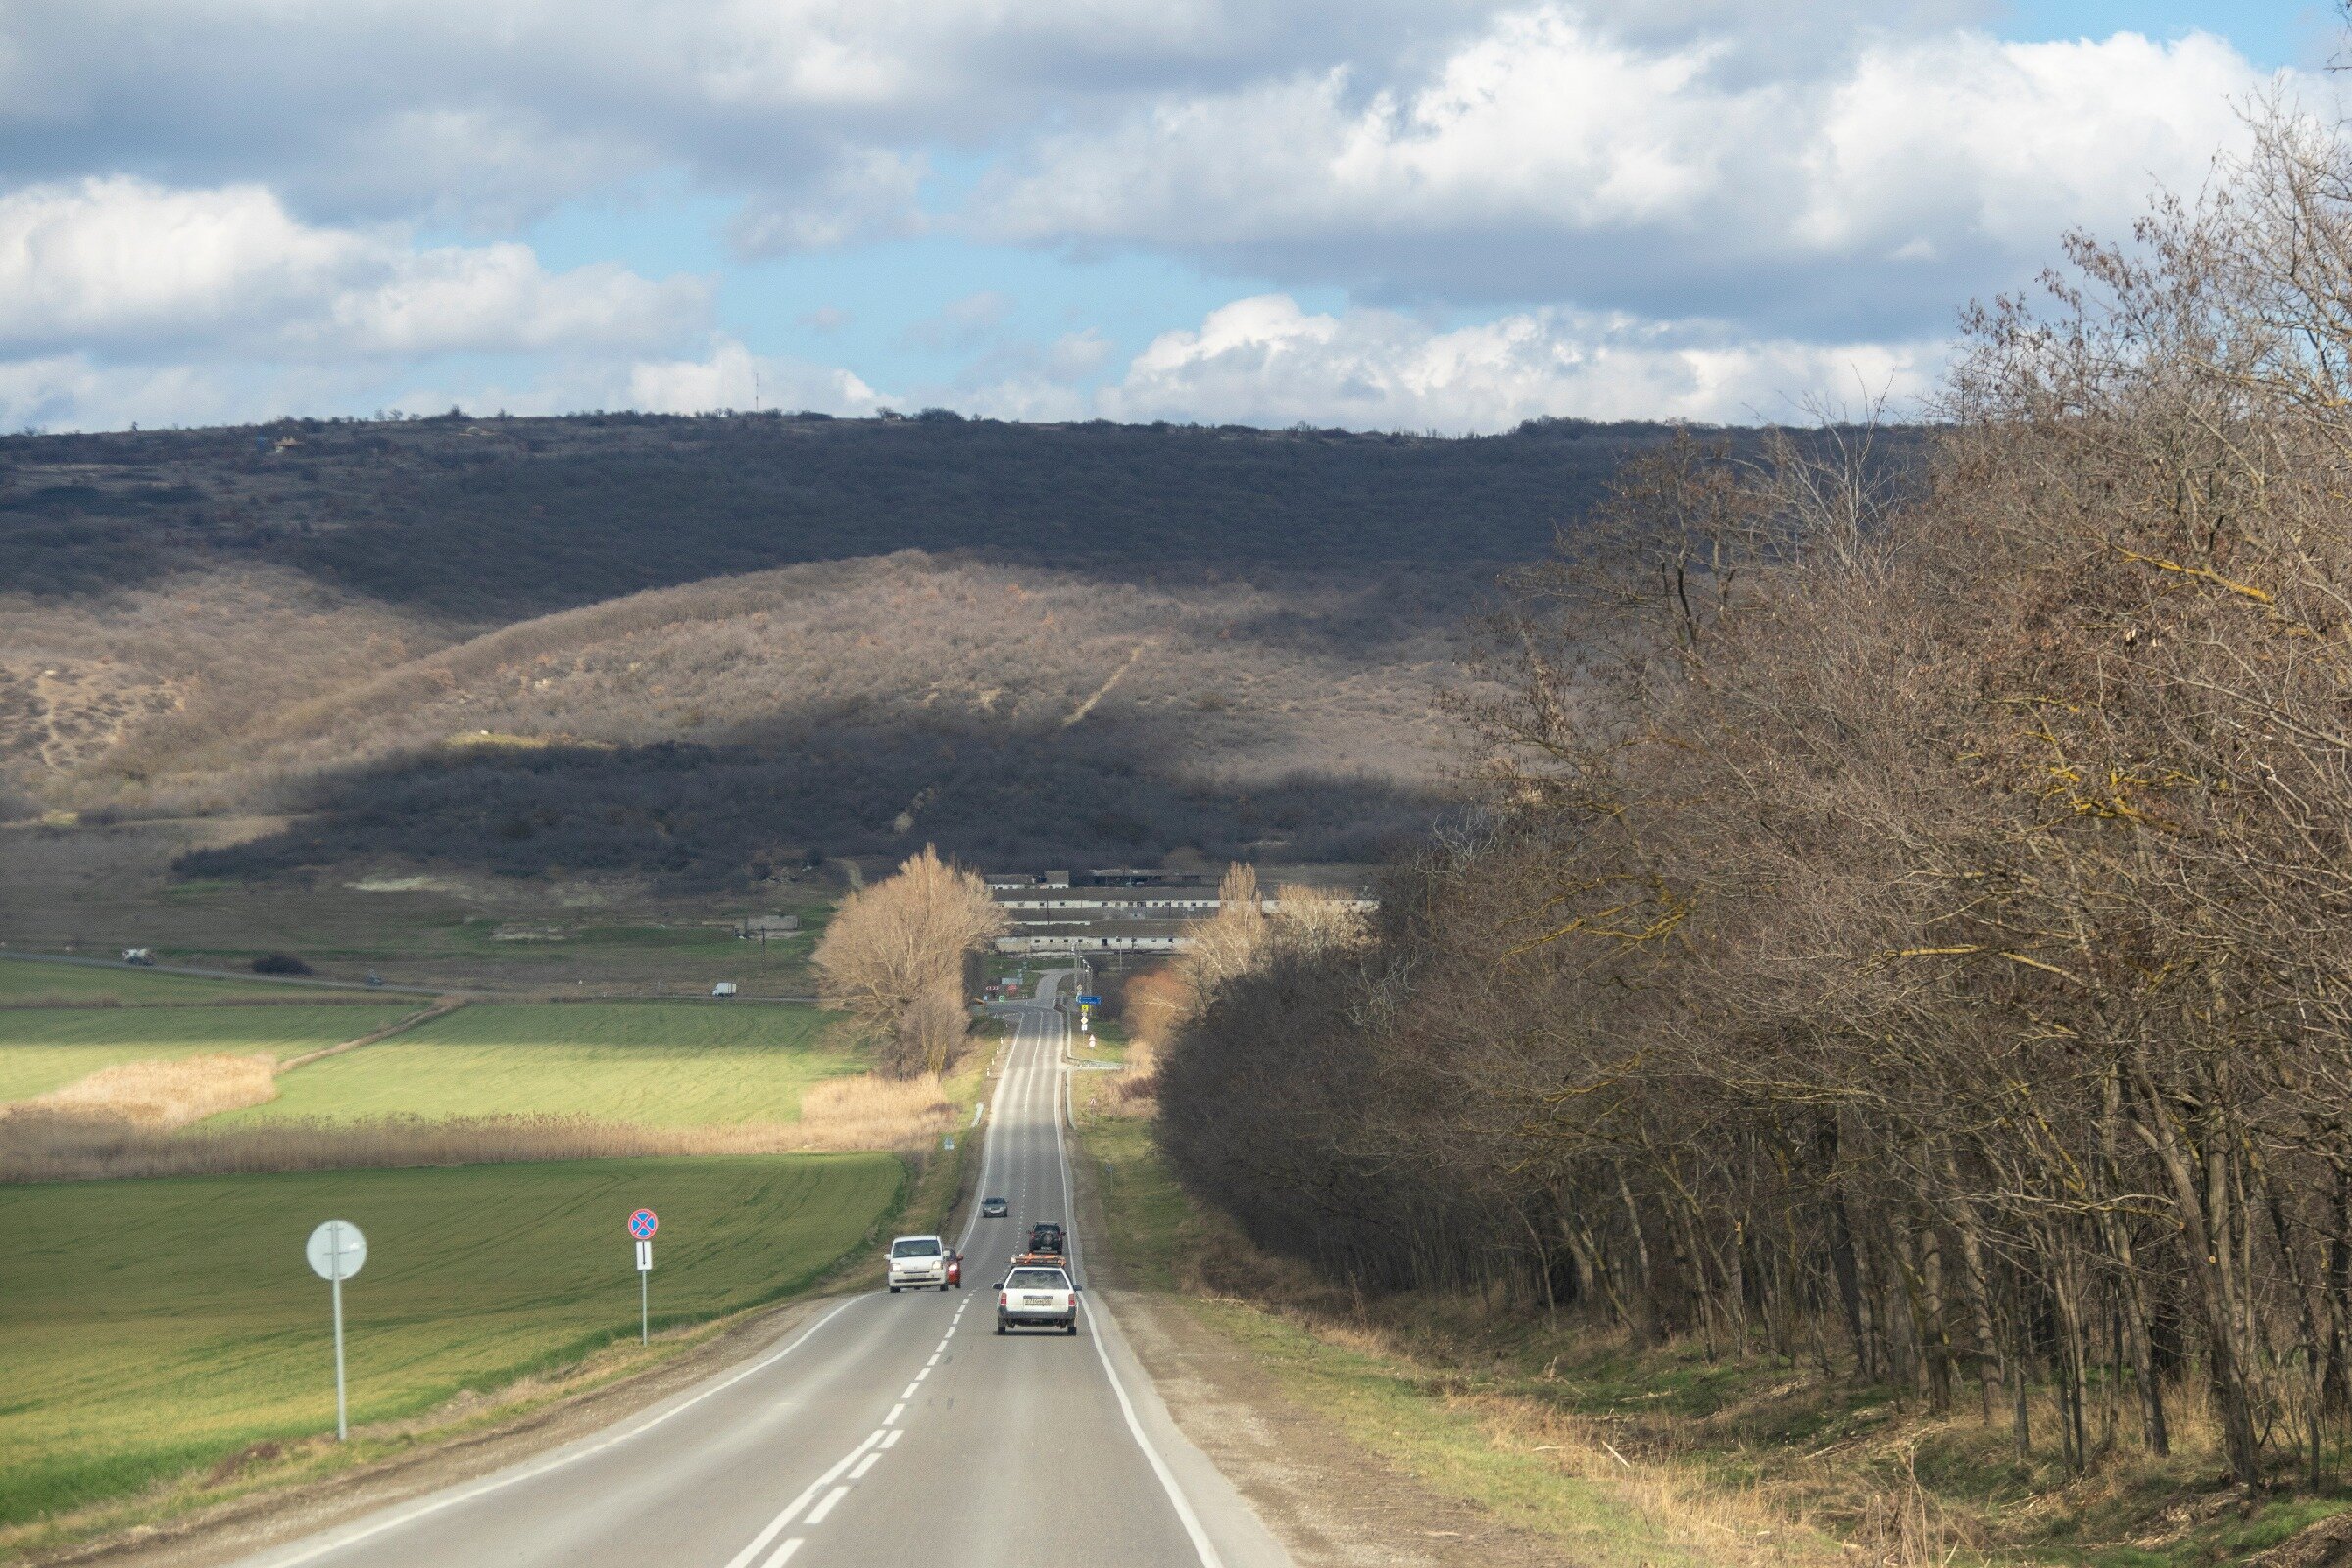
698, 818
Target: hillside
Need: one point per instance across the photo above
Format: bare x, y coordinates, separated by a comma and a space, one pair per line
493, 520
714, 652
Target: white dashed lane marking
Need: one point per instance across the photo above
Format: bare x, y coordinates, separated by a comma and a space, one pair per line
858, 1461
778, 1525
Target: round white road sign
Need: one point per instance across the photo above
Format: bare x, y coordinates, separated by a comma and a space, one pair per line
337, 1250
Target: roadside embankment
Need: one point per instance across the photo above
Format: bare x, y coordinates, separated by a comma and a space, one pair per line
1382, 1452
1623, 1456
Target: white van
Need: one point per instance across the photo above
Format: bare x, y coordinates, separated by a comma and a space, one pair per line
917, 1261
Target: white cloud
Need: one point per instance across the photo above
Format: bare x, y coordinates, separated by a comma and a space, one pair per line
1264, 360
1076, 356
1641, 206
867, 194
124, 263
1550, 158
731, 377
73, 392
1542, 120
500, 108
1927, 143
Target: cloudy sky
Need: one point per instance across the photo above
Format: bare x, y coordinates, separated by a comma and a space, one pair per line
1384, 214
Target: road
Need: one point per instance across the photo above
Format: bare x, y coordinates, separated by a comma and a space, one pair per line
550, 992
893, 1429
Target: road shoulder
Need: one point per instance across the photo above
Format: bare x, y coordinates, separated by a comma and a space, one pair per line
1326, 1497
520, 1423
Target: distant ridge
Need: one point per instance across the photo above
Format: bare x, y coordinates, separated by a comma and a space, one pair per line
496, 518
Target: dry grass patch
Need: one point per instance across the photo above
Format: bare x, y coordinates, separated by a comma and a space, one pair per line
1134, 1091
92, 1140
872, 1112
164, 1094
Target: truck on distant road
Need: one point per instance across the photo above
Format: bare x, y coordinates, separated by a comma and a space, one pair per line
1036, 1298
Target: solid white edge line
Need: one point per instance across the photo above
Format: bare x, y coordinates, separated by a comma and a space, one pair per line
778, 1525
1203, 1546
549, 1468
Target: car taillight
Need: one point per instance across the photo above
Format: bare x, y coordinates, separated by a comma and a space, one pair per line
1004, 1298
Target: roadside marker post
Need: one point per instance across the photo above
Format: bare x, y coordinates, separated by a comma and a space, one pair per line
337, 1250
642, 1225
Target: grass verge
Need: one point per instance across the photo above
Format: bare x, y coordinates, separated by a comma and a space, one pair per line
153, 1328
1541, 1474
227, 1412
1662, 1457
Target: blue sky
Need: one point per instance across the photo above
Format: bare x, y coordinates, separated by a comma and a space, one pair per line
1444, 213
2271, 35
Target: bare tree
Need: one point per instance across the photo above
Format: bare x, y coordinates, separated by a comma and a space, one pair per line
1905, 927
893, 959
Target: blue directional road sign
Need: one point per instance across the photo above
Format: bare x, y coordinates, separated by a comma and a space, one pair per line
1090, 1001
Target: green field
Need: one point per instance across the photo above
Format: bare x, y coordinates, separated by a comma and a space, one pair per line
662, 1064
45, 1048
148, 1327
22, 980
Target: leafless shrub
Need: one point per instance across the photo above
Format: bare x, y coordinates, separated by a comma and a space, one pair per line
1317, 921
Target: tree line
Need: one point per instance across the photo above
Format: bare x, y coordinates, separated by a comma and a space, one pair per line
1904, 929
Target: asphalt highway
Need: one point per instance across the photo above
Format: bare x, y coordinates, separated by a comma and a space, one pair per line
892, 1428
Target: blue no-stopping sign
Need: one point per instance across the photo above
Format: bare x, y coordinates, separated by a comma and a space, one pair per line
643, 1224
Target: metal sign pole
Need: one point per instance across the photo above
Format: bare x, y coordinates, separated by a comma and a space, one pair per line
337, 1250
642, 1225
342, 1407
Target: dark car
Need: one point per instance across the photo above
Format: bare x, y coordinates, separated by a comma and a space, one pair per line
1045, 1238
994, 1208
